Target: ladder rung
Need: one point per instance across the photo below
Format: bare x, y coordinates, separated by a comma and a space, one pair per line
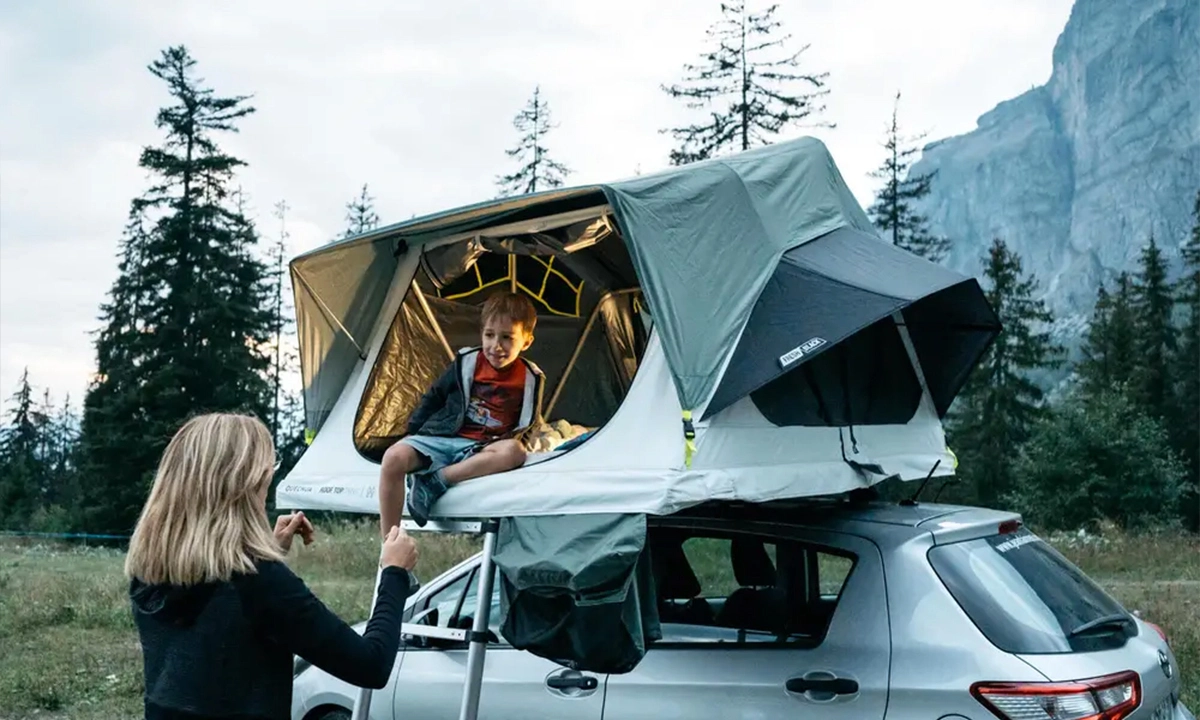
433, 631
445, 526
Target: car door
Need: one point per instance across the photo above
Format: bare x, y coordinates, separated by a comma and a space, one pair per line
516, 684
833, 665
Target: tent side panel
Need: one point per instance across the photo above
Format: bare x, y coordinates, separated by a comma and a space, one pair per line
326, 359
343, 291
866, 379
799, 318
411, 359
950, 332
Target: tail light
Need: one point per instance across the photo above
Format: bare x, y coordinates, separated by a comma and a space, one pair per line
1111, 697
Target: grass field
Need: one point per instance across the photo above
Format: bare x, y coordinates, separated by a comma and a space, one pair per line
68, 648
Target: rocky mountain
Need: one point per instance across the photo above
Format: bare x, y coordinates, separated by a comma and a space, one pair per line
1077, 174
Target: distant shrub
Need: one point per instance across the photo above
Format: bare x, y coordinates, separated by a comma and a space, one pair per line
1095, 459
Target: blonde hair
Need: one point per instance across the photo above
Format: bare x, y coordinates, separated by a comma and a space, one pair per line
205, 519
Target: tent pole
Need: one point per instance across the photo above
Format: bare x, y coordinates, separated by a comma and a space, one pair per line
479, 626
362, 702
587, 329
329, 314
911, 351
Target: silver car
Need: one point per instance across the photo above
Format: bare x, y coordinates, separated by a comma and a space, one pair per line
829, 611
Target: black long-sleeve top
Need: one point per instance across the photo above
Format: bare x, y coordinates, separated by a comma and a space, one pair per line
224, 650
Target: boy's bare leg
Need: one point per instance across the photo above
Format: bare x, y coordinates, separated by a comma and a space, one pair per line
398, 461
494, 458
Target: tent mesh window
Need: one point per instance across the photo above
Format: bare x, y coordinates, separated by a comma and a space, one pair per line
588, 341
556, 290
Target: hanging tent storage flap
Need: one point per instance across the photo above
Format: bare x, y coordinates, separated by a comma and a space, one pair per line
823, 347
577, 589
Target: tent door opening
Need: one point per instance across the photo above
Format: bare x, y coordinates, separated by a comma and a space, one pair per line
590, 337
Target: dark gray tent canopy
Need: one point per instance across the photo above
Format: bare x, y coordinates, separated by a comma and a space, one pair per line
825, 342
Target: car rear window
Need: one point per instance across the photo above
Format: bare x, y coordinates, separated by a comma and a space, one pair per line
1027, 598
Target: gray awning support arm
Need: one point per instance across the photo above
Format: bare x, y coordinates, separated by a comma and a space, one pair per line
587, 329
437, 326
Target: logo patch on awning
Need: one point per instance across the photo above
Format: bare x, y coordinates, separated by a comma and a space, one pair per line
792, 356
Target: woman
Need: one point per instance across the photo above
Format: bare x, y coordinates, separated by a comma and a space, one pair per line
219, 613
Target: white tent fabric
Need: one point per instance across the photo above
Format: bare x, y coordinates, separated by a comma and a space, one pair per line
635, 463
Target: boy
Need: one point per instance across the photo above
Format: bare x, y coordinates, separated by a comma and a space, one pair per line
471, 421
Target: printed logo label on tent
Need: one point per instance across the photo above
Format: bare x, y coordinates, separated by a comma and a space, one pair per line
805, 348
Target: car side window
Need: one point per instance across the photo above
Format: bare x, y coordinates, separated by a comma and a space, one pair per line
467, 611
455, 604
833, 571
709, 558
734, 589
446, 600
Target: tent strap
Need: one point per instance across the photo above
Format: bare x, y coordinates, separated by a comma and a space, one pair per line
846, 399
362, 354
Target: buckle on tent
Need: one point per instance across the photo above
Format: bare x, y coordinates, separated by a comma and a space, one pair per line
689, 438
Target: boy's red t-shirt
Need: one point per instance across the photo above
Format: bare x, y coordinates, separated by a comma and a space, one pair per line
494, 405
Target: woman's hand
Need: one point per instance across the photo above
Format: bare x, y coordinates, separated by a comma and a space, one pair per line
399, 550
287, 526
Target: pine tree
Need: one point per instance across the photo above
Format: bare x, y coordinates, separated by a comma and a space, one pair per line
22, 472
1154, 341
63, 433
187, 320
1187, 371
538, 170
751, 88
277, 257
287, 409
360, 214
1109, 357
1000, 404
893, 212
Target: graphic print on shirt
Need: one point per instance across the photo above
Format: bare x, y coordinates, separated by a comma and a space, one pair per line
495, 403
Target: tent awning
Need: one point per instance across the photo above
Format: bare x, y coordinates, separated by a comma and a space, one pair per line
827, 319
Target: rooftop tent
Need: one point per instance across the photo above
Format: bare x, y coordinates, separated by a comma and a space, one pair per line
748, 291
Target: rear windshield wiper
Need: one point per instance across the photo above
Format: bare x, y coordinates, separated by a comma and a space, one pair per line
1116, 621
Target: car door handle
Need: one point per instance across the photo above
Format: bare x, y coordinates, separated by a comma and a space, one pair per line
835, 686
582, 682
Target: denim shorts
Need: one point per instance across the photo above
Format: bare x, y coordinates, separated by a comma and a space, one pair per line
442, 451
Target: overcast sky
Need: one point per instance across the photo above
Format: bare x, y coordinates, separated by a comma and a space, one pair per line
416, 99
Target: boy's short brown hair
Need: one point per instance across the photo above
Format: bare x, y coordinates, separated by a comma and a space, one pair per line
510, 306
